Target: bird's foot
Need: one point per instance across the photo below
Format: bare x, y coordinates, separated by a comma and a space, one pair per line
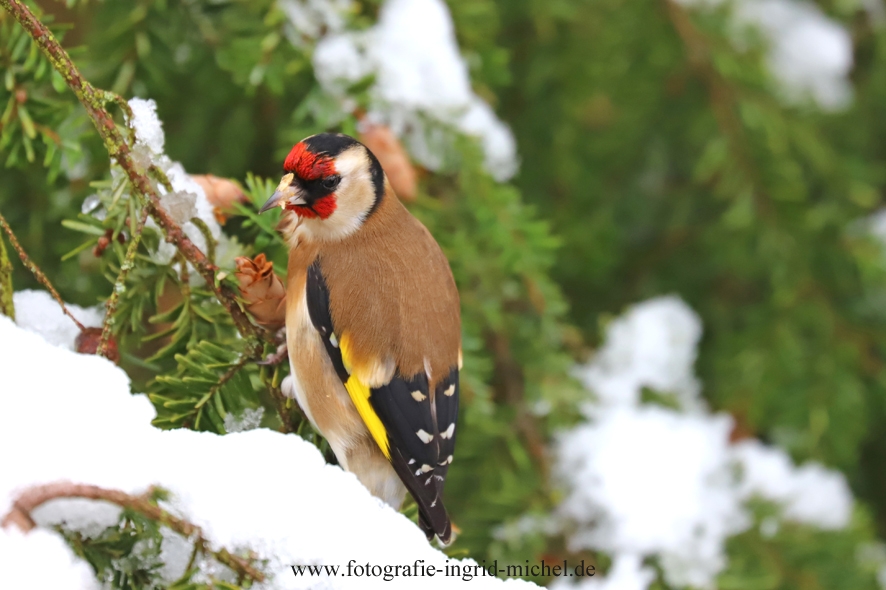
275, 358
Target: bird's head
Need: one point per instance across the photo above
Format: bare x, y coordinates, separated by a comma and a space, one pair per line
332, 183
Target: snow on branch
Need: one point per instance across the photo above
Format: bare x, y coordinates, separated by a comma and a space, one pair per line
256, 492
653, 473
422, 85
119, 148
34, 497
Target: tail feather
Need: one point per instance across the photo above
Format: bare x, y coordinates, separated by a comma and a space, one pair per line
426, 489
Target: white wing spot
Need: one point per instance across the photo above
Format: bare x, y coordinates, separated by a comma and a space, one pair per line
411, 461
424, 436
450, 391
425, 468
448, 432
418, 396
333, 340
446, 461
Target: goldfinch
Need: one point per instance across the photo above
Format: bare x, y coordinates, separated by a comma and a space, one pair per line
373, 324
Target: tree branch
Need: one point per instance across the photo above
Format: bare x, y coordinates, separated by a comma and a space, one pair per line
120, 283
35, 270
724, 103
93, 100
32, 498
6, 306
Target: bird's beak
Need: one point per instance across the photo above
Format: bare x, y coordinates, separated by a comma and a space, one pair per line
285, 194
274, 201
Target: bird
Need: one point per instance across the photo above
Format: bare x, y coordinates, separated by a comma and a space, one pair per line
373, 324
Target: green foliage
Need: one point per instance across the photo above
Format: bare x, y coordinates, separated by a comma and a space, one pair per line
35, 122
657, 157
126, 555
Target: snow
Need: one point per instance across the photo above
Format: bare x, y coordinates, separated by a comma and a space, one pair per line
259, 490
810, 54
44, 556
38, 312
181, 206
309, 18
642, 480
147, 125
187, 199
87, 517
810, 494
420, 78
648, 481
250, 419
653, 345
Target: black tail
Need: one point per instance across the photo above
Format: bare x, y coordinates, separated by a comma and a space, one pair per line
426, 488
424, 525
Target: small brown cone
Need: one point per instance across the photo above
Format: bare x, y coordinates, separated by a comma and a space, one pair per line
382, 142
262, 290
88, 340
221, 193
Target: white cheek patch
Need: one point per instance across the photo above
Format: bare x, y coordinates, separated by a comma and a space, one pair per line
354, 198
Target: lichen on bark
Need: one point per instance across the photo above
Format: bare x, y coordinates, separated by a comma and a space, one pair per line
6, 306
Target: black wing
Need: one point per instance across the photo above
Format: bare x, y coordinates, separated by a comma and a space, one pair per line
420, 424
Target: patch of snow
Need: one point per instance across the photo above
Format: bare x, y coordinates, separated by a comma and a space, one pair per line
250, 419
810, 54
648, 481
284, 502
810, 494
422, 85
42, 558
652, 345
642, 480
175, 553
87, 517
310, 18
187, 199
38, 312
147, 125
180, 206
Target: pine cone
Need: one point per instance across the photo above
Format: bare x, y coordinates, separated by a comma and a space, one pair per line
382, 142
221, 193
263, 291
88, 340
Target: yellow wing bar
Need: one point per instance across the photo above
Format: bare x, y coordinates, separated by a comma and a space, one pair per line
360, 394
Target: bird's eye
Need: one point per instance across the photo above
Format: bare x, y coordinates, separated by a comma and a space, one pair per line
331, 182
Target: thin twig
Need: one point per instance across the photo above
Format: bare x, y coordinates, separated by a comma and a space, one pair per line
120, 283
227, 376
7, 307
35, 270
94, 100
20, 516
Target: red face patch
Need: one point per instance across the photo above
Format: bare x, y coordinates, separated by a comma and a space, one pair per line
322, 208
307, 165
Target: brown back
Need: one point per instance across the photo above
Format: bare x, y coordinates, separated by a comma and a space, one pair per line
391, 289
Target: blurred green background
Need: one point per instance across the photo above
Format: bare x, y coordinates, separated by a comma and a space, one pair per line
660, 154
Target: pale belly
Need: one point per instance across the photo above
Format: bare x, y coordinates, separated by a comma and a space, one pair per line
325, 401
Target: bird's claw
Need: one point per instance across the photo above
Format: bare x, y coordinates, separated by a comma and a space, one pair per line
275, 358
